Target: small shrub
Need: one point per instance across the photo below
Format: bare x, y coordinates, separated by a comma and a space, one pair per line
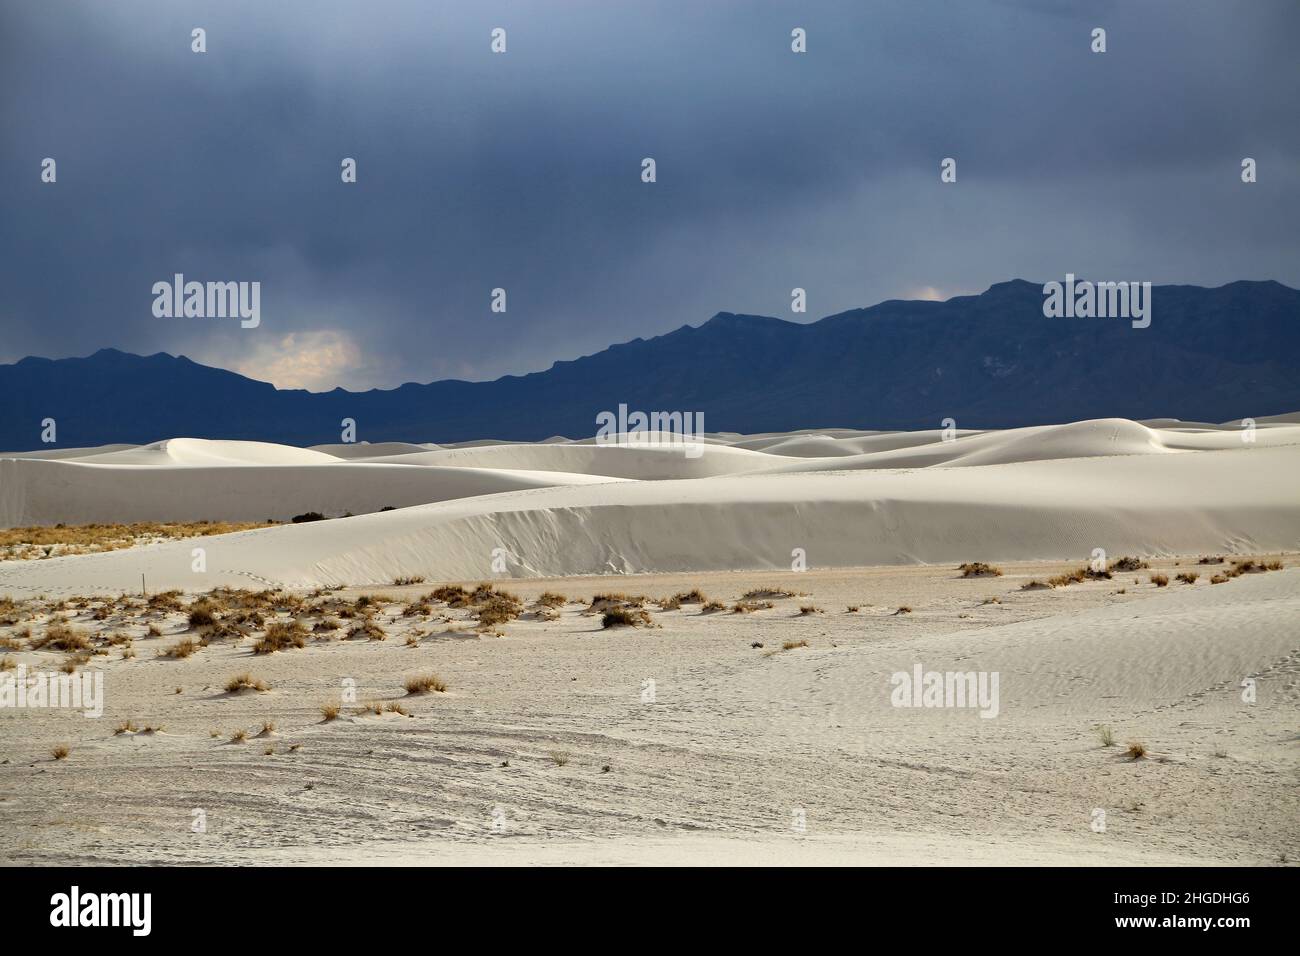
61, 637
330, 710
1035, 585
905, 609
625, 617
181, 649
978, 569
1159, 580
762, 593
559, 757
404, 581
1188, 577
551, 599
1136, 750
307, 516
1219, 579
425, 683
749, 607
280, 636
203, 613
125, 727
60, 752
239, 736
712, 606
1106, 736
1128, 564
810, 609
367, 630
791, 645
693, 596
242, 682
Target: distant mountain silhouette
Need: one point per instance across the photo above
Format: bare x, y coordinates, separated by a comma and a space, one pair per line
990, 360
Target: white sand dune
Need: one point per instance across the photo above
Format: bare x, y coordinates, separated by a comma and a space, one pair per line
1242, 500
34, 492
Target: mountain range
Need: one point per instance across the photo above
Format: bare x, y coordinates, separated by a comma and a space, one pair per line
987, 361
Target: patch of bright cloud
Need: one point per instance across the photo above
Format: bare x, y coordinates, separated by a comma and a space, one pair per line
314, 360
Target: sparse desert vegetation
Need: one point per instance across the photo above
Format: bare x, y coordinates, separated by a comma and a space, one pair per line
978, 569
39, 542
246, 681
425, 684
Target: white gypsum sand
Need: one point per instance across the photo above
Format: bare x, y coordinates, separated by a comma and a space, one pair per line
549, 744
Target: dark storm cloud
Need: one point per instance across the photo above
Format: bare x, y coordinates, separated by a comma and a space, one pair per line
522, 170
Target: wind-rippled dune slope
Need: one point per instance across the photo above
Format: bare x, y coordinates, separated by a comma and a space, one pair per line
727, 503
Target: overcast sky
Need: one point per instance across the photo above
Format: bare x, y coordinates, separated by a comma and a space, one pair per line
522, 170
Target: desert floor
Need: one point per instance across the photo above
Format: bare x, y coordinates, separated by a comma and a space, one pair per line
548, 745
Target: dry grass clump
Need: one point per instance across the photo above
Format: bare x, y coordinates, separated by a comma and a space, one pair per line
203, 613
978, 569
60, 752
1187, 577
626, 617
180, 650
280, 636
125, 727
905, 609
1219, 579
452, 594
330, 710
551, 599
712, 606
1136, 750
559, 757
791, 645
1105, 735
1211, 559
165, 601
418, 609
367, 630
60, 637
693, 596
325, 625
242, 682
810, 609
1127, 563
500, 608
1067, 578
1251, 566
1160, 580
7, 664
749, 607
615, 599
763, 593
410, 579
239, 736
425, 683
8, 643
669, 603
